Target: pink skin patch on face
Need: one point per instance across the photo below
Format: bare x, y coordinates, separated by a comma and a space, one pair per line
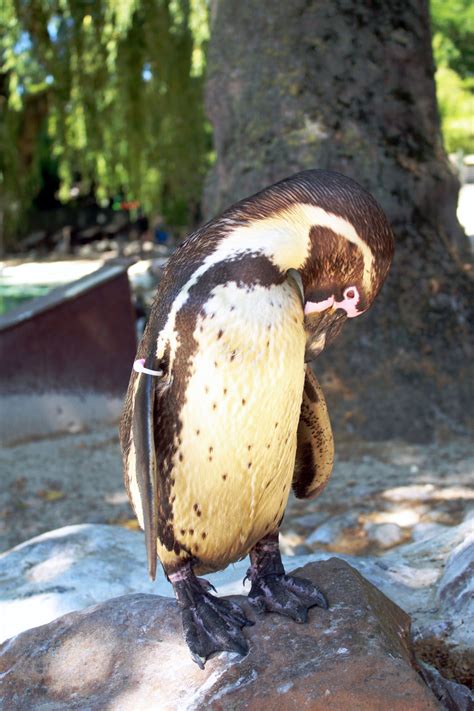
315, 307
348, 304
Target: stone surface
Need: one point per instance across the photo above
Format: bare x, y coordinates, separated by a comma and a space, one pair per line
84, 473
453, 696
69, 569
447, 640
128, 655
424, 531
331, 531
78, 566
386, 535
414, 488
432, 580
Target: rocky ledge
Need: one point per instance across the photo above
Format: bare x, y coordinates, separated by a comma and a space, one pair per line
128, 654
78, 566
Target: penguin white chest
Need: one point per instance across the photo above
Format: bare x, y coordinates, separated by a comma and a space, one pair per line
235, 455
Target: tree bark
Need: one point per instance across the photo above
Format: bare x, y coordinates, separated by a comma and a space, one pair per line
348, 86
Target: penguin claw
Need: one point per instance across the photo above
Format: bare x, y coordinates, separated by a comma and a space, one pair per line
200, 661
273, 590
306, 590
286, 595
214, 625
210, 624
206, 585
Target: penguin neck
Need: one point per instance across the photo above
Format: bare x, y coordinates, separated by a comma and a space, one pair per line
296, 237
283, 238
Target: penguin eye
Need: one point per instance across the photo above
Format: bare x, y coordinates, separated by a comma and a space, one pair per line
350, 293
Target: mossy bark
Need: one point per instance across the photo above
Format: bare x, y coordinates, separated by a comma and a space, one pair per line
348, 86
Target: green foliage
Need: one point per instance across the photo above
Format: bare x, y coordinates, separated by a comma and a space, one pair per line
456, 105
453, 48
111, 90
453, 35
117, 87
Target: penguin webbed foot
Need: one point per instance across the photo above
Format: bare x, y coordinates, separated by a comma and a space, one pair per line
210, 624
286, 594
273, 590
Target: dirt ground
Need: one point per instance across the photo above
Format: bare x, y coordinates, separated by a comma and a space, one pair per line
379, 496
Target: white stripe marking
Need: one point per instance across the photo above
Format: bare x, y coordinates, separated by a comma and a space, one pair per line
317, 216
283, 238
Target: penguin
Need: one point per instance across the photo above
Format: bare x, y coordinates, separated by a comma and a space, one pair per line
223, 415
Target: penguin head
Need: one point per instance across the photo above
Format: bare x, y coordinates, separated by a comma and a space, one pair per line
319, 224
351, 249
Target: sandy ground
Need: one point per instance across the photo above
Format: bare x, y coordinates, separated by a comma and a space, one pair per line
380, 495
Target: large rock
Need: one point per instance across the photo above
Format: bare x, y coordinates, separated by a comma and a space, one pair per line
78, 566
446, 639
432, 580
128, 654
69, 569
453, 696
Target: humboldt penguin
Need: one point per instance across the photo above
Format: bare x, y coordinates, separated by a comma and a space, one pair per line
223, 414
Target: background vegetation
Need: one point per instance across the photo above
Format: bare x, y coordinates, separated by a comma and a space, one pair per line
453, 48
105, 97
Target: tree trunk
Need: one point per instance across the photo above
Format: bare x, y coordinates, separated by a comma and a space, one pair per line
348, 86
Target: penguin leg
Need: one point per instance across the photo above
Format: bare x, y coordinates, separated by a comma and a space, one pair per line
210, 624
274, 591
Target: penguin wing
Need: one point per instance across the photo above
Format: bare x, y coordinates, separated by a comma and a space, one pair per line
315, 445
140, 468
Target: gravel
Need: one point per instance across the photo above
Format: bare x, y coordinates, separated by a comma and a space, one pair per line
77, 478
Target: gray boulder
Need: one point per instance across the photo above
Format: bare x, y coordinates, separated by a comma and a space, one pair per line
128, 654
78, 566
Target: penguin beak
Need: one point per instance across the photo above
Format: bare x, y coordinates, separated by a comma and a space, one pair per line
322, 328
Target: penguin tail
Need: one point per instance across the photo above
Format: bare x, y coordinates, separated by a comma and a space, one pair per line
146, 467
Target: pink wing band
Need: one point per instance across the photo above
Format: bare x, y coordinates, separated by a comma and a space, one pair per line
139, 367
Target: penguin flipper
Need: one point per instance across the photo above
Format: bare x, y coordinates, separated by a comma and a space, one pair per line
315, 444
142, 430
